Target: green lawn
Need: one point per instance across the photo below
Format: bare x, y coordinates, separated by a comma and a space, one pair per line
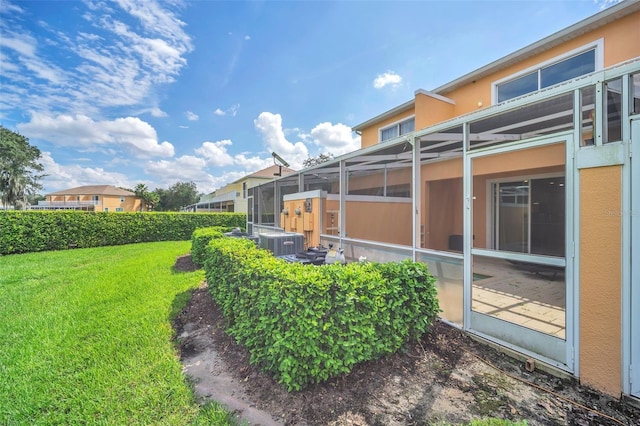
86, 338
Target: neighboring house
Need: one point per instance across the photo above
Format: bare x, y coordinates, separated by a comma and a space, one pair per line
96, 198
233, 196
515, 184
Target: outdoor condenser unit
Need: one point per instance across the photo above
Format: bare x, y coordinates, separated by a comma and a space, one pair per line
282, 244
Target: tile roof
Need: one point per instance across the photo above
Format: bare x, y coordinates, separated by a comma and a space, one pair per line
94, 190
267, 173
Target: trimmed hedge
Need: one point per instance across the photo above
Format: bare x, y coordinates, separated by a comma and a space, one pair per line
306, 324
31, 231
199, 241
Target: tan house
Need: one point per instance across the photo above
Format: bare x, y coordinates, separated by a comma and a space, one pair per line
96, 198
233, 197
516, 184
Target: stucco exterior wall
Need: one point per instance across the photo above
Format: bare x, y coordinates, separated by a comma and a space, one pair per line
617, 48
370, 135
382, 221
600, 278
617, 37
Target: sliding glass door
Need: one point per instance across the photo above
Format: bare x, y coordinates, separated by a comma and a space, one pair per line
529, 215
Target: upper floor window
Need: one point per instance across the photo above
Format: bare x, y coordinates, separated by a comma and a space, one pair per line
548, 74
244, 189
397, 129
122, 199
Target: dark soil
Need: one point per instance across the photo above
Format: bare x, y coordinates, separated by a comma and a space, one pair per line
446, 377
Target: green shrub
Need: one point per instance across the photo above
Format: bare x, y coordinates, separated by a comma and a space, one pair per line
306, 324
200, 239
31, 231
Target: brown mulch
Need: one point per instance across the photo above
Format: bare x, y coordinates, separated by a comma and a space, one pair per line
445, 377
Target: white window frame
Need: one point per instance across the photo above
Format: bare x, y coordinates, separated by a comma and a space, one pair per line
396, 124
598, 45
493, 234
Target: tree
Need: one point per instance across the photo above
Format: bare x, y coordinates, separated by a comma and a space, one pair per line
149, 198
314, 161
181, 194
19, 169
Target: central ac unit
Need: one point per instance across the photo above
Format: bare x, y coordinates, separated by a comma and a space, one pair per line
282, 244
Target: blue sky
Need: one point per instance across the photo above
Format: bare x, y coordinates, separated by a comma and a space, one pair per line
155, 92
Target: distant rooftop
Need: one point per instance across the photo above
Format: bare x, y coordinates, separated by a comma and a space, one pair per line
94, 190
268, 173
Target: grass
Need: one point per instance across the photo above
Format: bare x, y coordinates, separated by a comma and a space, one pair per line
86, 338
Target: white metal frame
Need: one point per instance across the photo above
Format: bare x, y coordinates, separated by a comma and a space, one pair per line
631, 270
549, 349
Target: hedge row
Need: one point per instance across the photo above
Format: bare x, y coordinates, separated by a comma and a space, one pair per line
306, 324
200, 240
30, 231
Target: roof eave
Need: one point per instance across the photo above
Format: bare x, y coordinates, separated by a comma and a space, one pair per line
388, 114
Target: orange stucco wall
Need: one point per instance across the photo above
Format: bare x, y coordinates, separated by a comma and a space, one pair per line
600, 278
432, 110
617, 48
469, 98
131, 204
379, 221
110, 202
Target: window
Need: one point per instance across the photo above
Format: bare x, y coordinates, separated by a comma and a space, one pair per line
119, 209
547, 75
244, 190
613, 111
397, 129
122, 199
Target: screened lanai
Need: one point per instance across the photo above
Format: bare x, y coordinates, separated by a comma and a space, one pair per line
487, 200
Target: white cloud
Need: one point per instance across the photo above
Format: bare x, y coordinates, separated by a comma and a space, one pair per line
338, 139
388, 78
192, 116
606, 3
122, 62
231, 111
252, 164
270, 127
9, 8
247, 37
61, 177
157, 112
184, 169
129, 133
216, 153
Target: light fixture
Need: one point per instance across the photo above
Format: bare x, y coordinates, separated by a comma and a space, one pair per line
280, 162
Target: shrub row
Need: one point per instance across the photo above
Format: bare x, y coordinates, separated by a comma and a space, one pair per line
306, 324
30, 231
199, 241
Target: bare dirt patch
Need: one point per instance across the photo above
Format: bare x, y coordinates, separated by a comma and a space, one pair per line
444, 377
